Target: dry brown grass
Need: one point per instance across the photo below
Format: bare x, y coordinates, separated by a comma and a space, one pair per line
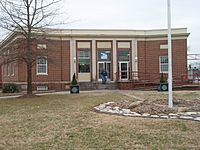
68, 122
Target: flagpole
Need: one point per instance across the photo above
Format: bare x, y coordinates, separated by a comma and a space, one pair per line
170, 97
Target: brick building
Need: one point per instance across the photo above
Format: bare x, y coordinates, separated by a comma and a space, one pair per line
127, 55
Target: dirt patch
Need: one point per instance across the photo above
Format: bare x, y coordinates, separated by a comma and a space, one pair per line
160, 106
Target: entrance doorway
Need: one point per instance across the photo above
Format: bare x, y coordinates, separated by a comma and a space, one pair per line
104, 65
124, 70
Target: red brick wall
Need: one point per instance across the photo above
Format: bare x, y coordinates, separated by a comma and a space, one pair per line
21, 72
1, 76
135, 86
148, 58
11, 47
58, 54
9, 78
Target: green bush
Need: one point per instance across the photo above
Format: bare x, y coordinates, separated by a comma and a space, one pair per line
74, 81
162, 80
10, 88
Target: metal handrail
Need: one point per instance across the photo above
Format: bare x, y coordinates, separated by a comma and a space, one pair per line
136, 76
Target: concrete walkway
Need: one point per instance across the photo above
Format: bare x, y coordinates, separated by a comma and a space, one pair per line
61, 93
7, 97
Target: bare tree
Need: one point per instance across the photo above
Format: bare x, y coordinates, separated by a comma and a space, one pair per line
26, 18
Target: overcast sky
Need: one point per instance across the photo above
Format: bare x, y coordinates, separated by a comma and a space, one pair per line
135, 14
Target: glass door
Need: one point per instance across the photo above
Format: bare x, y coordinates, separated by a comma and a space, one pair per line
124, 70
106, 66
100, 68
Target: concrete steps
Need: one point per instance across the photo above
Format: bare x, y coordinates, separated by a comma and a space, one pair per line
97, 86
107, 86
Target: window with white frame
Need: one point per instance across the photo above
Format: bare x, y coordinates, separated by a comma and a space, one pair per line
163, 64
41, 46
8, 69
13, 69
4, 69
42, 66
84, 61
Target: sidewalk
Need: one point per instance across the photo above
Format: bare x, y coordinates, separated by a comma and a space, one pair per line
60, 92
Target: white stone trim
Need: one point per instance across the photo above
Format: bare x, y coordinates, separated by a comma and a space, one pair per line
72, 57
9, 40
111, 32
134, 56
163, 46
115, 63
94, 67
84, 77
104, 44
120, 38
41, 46
83, 44
162, 38
179, 33
123, 44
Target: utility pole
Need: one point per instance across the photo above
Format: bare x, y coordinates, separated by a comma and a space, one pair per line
170, 97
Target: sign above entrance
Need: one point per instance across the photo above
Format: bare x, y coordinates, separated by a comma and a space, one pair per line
104, 55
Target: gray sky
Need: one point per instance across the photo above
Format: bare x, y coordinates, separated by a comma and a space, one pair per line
135, 14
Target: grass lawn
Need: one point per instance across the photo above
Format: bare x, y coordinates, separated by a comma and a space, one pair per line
68, 122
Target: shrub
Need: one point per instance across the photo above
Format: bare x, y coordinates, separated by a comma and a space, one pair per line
162, 80
74, 81
10, 88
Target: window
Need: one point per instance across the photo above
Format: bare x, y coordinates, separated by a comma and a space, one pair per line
13, 69
163, 64
4, 69
8, 69
104, 55
42, 88
83, 61
123, 55
42, 66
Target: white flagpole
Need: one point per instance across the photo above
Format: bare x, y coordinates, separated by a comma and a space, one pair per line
170, 97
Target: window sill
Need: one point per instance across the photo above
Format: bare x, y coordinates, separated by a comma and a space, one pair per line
42, 74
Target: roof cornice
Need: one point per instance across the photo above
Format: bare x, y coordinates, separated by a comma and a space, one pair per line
102, 33
176, 32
